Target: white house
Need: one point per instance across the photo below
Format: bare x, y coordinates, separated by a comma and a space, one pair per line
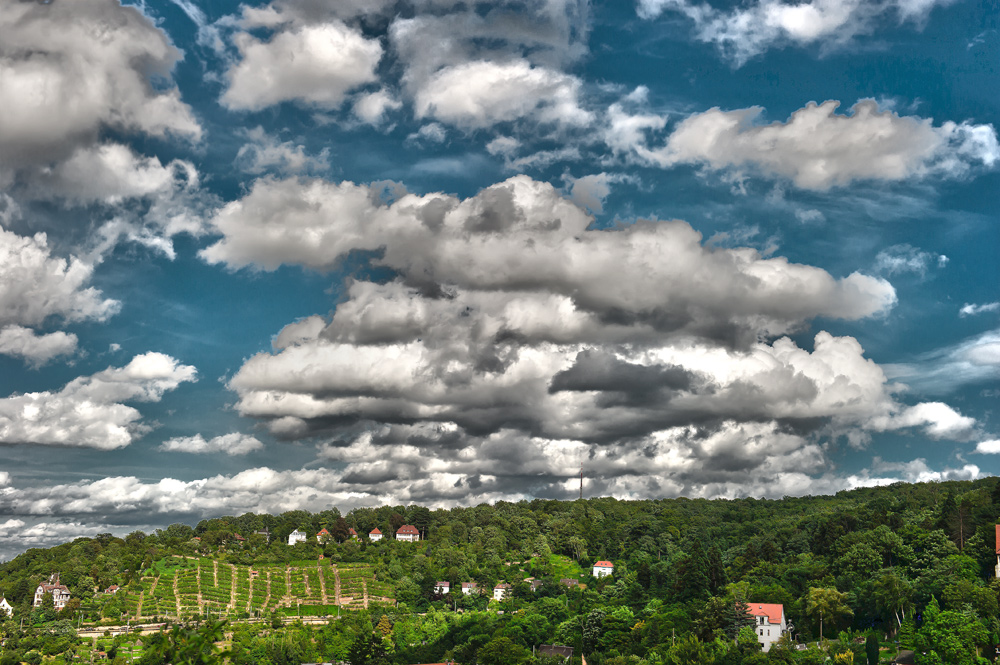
502, 591
296, 537
375, 535
769, 622
602, 568
442, 587
469, 588
408, 532
5, 608
60, 594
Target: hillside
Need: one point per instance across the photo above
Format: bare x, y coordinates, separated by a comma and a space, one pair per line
889, 560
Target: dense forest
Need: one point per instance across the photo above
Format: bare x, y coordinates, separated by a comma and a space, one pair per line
861, 575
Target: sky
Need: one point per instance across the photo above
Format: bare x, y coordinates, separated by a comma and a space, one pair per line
303, 254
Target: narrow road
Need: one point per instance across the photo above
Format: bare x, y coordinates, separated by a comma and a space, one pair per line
177, 595
288, 586
232, 587
336, 586
201, 603
322, 584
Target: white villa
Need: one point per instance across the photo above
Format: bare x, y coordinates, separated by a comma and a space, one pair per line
469, 588
602, 568
60, 594
5, 608
769, 622
502, 591
375, 535
296, 537
409, 533
442, 587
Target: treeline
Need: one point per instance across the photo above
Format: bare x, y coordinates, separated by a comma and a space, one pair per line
910, 565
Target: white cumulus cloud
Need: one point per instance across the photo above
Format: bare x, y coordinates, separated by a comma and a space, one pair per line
93, 60
818, 149
316, 64
753, 27
89, 411
230, 444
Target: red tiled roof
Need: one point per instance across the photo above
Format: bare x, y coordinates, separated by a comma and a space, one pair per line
352, 531
604, 564
408, 529
772, 611
375, 530
323, 532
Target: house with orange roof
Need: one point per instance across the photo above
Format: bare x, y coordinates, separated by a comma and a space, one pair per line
769, 622
375, 535
602, 568
323, 535
409, 533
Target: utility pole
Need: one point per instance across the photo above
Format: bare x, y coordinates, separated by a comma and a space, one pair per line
581, 481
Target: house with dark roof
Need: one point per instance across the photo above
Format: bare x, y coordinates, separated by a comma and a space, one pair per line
469, 588
60, 594
408, 532
555, 650
503, 591
442, 587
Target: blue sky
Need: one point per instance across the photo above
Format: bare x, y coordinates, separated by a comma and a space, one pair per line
263, 257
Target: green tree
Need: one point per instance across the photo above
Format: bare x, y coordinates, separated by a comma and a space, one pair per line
953, 636
186, 646
501, 651
826, 604
871, 649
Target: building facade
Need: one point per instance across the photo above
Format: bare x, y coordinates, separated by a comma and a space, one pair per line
602, 568
296, 537
408, 532
375, 535
60, 594
502, 591
769, 622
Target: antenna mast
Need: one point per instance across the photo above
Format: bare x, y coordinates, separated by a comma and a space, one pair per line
581, 480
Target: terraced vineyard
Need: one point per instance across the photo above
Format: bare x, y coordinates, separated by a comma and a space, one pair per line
190, 586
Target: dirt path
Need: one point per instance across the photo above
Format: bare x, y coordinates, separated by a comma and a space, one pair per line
232, 588
267, 598
215, 572
336, 586
250, 595
322, 584
305, 583
177, 596
201, 603
288, 586
364, 592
